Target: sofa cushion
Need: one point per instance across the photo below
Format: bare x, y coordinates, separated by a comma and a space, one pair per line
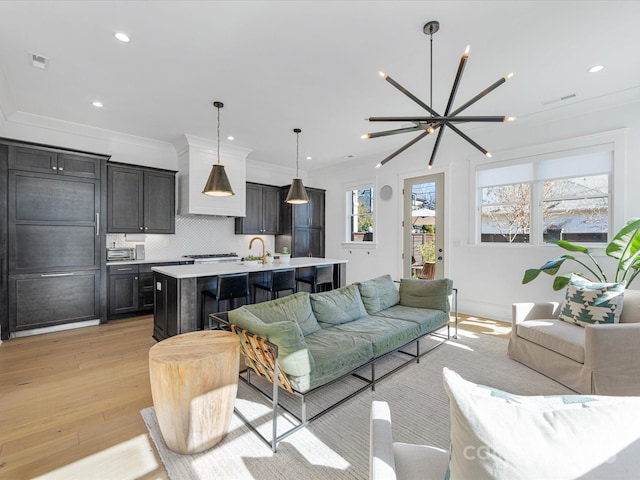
561, 337
429, 320
379, 293
426, 293
293, 354
587, 302
334, 355
498, 435
631, 312
385, 334
296, 307
337, 306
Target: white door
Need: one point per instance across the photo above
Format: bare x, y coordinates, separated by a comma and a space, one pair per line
423, 243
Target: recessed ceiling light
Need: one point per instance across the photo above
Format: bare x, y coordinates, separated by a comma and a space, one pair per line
595, 68
97, 104
230, 137
308, 158
123, 37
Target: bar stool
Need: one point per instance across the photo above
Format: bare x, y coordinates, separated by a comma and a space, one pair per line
322, 275
279, 281
230, 287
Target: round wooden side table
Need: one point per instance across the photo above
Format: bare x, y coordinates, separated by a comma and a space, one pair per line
194, 381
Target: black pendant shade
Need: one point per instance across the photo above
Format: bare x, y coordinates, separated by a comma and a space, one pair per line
218, 183
297, 194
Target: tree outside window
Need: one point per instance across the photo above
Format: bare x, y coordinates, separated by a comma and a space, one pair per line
360, 218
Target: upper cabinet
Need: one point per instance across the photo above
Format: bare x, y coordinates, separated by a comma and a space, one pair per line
45, 160
140, 200
195, 157
302, 225
263, 211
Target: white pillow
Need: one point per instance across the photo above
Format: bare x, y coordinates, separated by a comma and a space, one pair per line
498, 435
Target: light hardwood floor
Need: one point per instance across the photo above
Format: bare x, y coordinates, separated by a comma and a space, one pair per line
70, 401
68, 398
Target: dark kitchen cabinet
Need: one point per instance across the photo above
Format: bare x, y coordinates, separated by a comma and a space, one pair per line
51, 260
123, 289
52, 161
166, 307
262, 211
140, 200
131, 288
303, 225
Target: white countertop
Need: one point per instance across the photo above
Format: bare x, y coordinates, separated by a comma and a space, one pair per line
214, 269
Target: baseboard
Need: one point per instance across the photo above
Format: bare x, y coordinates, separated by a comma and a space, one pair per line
55, 328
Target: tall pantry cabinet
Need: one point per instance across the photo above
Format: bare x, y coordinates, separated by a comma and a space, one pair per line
52, 269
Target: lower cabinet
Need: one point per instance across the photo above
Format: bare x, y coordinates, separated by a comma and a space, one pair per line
131, 289
47, 299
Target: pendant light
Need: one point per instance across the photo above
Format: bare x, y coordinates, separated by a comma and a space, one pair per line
426, 124
297, 193
218, 183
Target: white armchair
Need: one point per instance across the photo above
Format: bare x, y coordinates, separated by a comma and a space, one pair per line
389, 460
596, 359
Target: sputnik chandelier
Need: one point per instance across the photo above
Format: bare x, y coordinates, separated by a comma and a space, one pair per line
435, 121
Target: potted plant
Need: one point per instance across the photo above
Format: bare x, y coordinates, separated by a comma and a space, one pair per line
625, 248
251, 261
268, 259
285, 256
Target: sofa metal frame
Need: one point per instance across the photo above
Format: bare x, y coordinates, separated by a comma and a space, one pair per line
261, 357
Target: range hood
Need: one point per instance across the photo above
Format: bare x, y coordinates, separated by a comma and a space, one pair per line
195, 157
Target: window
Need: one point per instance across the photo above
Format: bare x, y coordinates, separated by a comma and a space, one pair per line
561, 196
360, 214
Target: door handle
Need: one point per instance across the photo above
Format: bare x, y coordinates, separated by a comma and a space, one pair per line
97, 223
45, 275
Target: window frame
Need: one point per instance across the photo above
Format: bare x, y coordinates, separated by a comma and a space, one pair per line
612, 141
347, 192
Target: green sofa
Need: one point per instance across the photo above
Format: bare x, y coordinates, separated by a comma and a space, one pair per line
321, 337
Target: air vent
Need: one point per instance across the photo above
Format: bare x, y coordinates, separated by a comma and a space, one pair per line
559, 99
39, 61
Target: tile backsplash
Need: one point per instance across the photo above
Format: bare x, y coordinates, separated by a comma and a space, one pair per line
195, 234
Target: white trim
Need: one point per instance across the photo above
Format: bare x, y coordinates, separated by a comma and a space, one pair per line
55, 328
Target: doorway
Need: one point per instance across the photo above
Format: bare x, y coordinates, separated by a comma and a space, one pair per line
423, 232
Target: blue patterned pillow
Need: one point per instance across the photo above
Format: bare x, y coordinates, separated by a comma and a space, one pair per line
588, 303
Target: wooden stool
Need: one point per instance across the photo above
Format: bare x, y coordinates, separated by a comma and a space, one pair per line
194, 381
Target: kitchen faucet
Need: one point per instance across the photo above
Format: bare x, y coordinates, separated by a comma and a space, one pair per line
264, 256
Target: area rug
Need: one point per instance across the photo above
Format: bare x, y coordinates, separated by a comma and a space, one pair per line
337, 444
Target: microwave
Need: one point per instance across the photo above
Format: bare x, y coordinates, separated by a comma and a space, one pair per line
114, 254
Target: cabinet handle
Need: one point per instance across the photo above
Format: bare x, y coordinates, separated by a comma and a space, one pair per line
146, 228
97, 223
53, 167
124, 269
45, 275
60, 169
140, 228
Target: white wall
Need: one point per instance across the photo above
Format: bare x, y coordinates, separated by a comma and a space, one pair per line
488, 276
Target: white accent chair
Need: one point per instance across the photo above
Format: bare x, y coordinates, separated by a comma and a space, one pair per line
389, 460
596, 359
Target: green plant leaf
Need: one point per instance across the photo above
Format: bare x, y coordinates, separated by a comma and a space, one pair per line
561, 281
572, 247
530, 275
626, 243
552, 266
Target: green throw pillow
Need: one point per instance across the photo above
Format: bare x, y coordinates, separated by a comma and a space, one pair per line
379, 294
338, 306
588, 303
432, 294
294, 307
293, 356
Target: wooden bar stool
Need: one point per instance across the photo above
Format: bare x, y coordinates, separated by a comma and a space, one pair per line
230, 287
279, 280
322, 276
194, 381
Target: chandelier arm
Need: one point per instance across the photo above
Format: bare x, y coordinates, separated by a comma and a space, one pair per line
435, 146
393, 132
404, 147
456, 82
445, 119
468, 139
483, 93
411, 95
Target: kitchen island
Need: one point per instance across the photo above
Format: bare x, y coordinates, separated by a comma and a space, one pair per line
177, 293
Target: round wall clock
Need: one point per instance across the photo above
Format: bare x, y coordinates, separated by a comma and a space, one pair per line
385, 192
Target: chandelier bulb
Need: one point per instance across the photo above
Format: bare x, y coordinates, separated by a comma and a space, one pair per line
365, 136
508, 76
379, 165
511, 119
488, 154
382, 74
466, 51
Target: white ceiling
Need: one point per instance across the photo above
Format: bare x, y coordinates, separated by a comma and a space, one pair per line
277, 65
